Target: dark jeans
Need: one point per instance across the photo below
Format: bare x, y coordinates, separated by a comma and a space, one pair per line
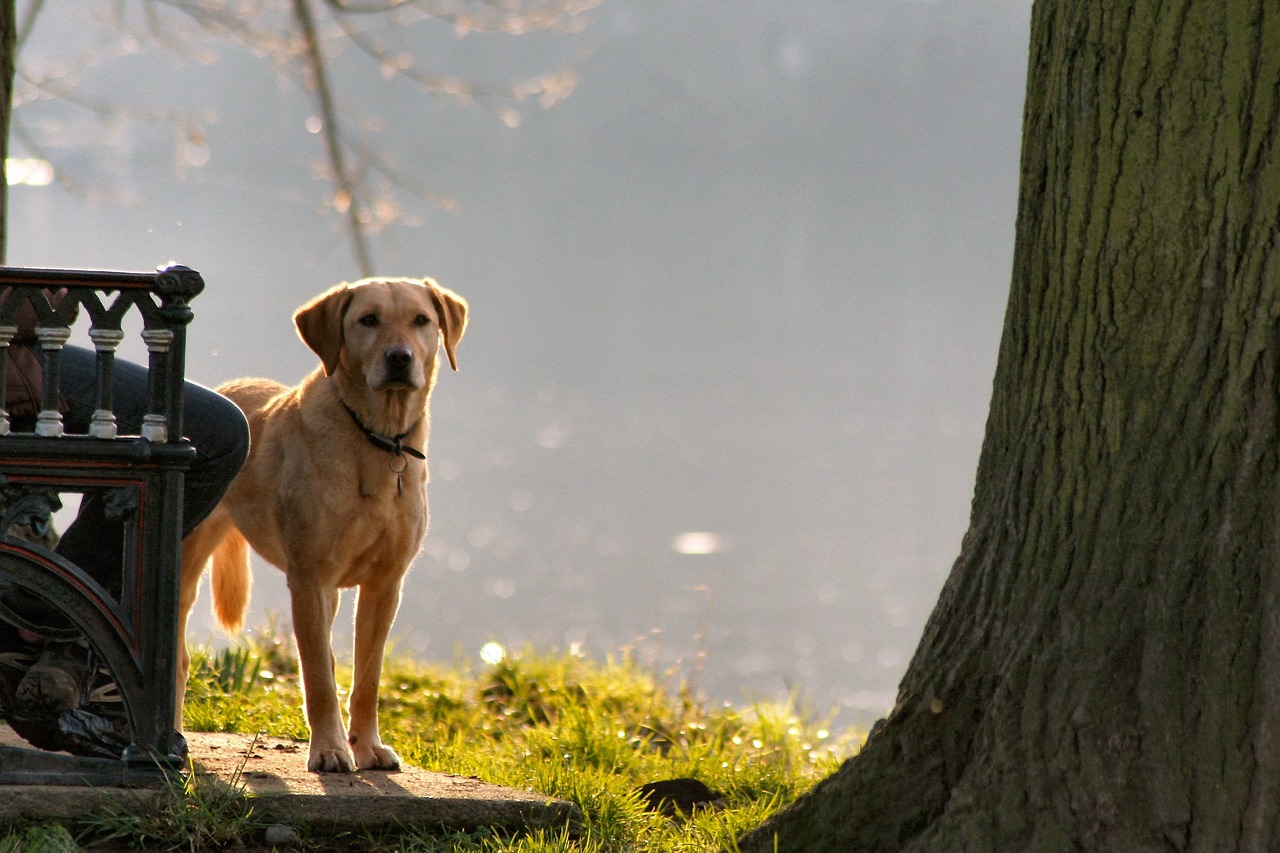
215, 426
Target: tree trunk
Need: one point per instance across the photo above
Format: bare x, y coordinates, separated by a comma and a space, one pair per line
8, 63
1102, 670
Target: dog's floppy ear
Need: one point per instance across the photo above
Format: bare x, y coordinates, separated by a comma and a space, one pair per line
319, 324
452, 309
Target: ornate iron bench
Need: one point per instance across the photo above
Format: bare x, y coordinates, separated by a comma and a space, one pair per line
132, 630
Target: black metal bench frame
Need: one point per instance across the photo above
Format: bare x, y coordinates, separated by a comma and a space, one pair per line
135, 633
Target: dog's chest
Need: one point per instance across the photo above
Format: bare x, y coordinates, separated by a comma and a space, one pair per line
383, 476
381, 537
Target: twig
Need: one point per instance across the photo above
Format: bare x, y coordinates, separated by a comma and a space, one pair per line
347, 188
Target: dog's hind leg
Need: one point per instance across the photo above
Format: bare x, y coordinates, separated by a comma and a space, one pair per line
197, 548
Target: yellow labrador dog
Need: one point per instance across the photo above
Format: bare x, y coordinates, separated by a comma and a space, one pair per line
334, 493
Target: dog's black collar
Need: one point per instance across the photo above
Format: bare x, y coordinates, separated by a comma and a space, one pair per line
393, 444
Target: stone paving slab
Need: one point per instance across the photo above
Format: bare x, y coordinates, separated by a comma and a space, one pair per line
275, 775
272, 772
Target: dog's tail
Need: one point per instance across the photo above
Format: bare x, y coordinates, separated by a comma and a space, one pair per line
231, 581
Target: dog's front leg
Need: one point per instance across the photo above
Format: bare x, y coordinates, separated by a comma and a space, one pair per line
313, 613
375, 611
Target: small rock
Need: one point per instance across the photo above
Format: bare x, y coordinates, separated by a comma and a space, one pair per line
281, 835
683, 796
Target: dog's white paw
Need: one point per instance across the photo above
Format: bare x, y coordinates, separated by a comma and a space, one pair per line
376, 756
323, 760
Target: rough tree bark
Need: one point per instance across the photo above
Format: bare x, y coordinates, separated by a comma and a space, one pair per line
1102, 670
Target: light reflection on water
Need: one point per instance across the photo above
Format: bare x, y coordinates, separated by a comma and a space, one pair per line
699, 542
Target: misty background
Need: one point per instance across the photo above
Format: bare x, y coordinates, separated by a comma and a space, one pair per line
735, 308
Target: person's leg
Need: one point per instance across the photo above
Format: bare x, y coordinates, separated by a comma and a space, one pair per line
214, 425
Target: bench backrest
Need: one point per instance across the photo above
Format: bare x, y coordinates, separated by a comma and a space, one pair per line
133, 629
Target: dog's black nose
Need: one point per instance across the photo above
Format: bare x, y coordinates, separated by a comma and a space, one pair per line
398, 357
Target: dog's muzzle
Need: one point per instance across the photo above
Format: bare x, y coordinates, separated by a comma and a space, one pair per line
398, 363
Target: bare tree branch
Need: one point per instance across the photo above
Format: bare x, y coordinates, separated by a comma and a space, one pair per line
348, 192
28, 21
550, 88
484, 16
292, 37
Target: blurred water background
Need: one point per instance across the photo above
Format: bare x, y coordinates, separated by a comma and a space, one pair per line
735, 307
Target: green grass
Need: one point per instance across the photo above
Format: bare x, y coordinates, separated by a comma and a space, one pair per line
582, 730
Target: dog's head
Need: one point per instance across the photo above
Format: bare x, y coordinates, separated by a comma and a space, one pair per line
387, 331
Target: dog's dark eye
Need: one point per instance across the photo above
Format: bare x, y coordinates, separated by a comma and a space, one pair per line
369, 320
421, 320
